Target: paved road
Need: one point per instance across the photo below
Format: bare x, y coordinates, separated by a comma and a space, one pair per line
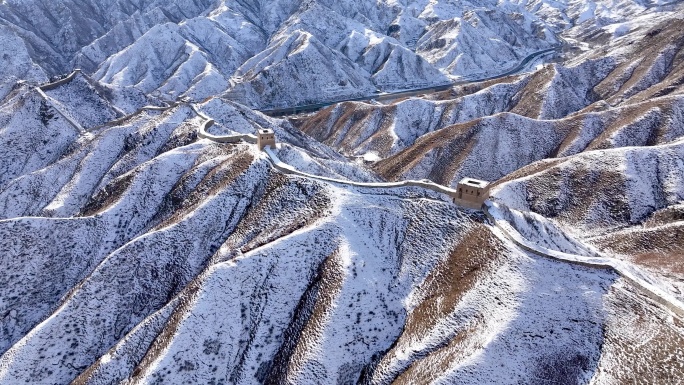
384, 96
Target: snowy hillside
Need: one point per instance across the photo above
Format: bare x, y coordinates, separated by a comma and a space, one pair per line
342, 280
202, 48
258, 54
631, 96
146, 239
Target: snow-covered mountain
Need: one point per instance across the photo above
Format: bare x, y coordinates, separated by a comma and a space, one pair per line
139, 253
258, 53
145, 239
593, 142
629, 96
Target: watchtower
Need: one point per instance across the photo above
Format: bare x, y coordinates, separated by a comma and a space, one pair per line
471, 193
265, 137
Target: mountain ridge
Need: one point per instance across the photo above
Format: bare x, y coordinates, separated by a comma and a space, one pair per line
146, 238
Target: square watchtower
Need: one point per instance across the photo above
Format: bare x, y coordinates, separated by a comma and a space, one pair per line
265, 137
471, 193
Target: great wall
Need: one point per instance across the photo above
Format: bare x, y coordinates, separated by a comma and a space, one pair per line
55, 106
630, 273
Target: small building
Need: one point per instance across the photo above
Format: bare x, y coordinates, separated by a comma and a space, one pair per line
265, 137
471, 193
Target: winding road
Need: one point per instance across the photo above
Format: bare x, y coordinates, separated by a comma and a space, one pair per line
385, 96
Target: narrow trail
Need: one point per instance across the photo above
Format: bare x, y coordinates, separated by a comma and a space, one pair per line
629, 272
56, 107
287, 169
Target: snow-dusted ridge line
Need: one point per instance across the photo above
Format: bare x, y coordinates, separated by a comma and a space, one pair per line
122, 119
55, 84
89, 80
208, 122
287, 169
627, 271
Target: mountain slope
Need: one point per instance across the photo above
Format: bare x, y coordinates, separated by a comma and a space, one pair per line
627, 97
203, 48
317, 280
146, 239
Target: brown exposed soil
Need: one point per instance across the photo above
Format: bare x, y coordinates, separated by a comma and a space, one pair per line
185, 299
428, 369
657, 41
628, 116
471, 259
260, 225
170, 329
475, 255
529, 101
183, 202
309, 320
347, 124
587, 188
109, 195
451, 143
469, 89
672, 260
665, 216
534, 168
182, 136
658, 248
